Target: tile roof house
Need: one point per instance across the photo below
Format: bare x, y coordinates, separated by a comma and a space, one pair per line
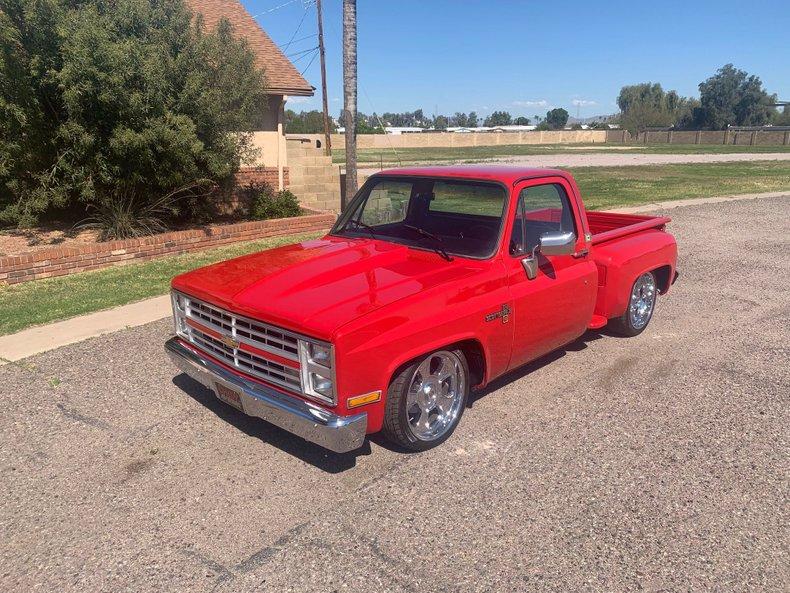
282, 80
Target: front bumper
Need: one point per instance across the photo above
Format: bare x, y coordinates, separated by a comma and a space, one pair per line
309, 421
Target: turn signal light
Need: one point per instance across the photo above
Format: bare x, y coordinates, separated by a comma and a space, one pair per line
361, 400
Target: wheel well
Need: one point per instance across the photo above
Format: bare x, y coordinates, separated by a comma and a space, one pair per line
475, 359
662, 278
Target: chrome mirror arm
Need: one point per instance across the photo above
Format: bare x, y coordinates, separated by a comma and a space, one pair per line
530, 263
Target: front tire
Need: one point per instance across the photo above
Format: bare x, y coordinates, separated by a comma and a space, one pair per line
426, 399
641, 304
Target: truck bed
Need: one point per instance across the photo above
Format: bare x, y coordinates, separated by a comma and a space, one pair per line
606, 226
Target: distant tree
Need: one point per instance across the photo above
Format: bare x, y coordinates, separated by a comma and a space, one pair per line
647, 105
368, 124
471, 120
306, 122
521, 121
577, 126
498, 118
733, 97
460, 120
644, 105
556, 118
440, 122
783, 119
538, 119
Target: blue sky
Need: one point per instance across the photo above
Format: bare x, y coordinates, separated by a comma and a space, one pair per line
528, 56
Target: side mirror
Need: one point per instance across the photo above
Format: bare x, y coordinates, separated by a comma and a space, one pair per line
557, 243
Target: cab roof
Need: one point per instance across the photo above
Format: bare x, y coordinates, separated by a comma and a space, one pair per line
501, 173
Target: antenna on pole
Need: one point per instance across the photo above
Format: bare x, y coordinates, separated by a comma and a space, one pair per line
327, 137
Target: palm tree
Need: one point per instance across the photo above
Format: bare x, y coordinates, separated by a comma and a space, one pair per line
350, 94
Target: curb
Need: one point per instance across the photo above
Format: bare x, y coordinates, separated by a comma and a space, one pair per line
35, 340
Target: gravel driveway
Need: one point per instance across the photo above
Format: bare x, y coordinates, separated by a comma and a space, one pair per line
619, 159
646, 464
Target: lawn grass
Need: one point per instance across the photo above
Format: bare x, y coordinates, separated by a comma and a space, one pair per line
43, 301
411, 156
607, 187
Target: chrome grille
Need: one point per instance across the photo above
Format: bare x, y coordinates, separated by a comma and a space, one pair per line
247, 362
244, 331
254, 333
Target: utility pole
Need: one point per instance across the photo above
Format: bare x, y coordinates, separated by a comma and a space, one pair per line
350, 95
327, 138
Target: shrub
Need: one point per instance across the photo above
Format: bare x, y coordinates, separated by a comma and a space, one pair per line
98, 96
126, 214
268, 204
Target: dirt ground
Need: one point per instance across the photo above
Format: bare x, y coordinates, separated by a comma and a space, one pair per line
656, 463
14, 242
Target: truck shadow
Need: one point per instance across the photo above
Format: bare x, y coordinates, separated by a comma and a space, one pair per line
334, 463
522, 371
316, 456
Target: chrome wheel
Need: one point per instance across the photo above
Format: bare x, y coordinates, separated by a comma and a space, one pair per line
435, 395
643, 300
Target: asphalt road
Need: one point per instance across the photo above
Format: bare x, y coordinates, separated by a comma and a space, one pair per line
657, 463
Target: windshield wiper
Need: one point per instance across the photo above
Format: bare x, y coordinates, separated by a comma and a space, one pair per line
361, 224
438, 247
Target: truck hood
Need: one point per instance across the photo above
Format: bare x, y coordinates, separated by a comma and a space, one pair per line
317, 286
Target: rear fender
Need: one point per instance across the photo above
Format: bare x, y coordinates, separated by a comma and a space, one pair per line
623, 260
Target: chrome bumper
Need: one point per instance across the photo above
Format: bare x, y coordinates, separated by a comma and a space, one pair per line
317, 425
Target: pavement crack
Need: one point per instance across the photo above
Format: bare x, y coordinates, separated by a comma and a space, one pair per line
223, 572
73, 414
265, 554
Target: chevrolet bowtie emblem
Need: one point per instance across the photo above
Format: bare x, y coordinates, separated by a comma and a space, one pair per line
230, 342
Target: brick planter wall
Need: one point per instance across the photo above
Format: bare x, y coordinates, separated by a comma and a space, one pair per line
60, 261
235, 203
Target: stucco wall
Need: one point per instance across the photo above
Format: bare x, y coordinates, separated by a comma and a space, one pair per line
742, 138
444, 140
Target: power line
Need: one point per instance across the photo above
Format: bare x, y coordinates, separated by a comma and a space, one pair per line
278, 7
310, 63
302, 51
300, 39
299, 26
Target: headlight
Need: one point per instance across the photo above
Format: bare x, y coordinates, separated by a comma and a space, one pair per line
179, 313
320, 354
318, 373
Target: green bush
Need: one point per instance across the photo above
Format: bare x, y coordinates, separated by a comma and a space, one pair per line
104, 98
268, 204
126, 215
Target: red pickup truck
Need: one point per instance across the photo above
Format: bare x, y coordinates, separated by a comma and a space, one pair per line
433, 282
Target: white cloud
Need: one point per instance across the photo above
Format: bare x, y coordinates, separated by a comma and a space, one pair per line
540, 103
583, 103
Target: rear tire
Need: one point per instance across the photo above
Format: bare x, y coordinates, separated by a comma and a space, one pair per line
641, 304
426, 399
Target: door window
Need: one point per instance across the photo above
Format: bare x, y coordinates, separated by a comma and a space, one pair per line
541, 209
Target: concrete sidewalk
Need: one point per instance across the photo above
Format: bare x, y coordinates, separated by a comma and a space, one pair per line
35, 340
39, 339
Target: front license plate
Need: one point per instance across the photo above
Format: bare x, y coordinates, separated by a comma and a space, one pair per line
229, 396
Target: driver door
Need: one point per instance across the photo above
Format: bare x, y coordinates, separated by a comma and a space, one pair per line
555, 307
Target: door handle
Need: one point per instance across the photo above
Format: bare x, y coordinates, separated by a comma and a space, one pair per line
580, 254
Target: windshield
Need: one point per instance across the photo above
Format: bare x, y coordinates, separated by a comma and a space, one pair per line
447, 215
